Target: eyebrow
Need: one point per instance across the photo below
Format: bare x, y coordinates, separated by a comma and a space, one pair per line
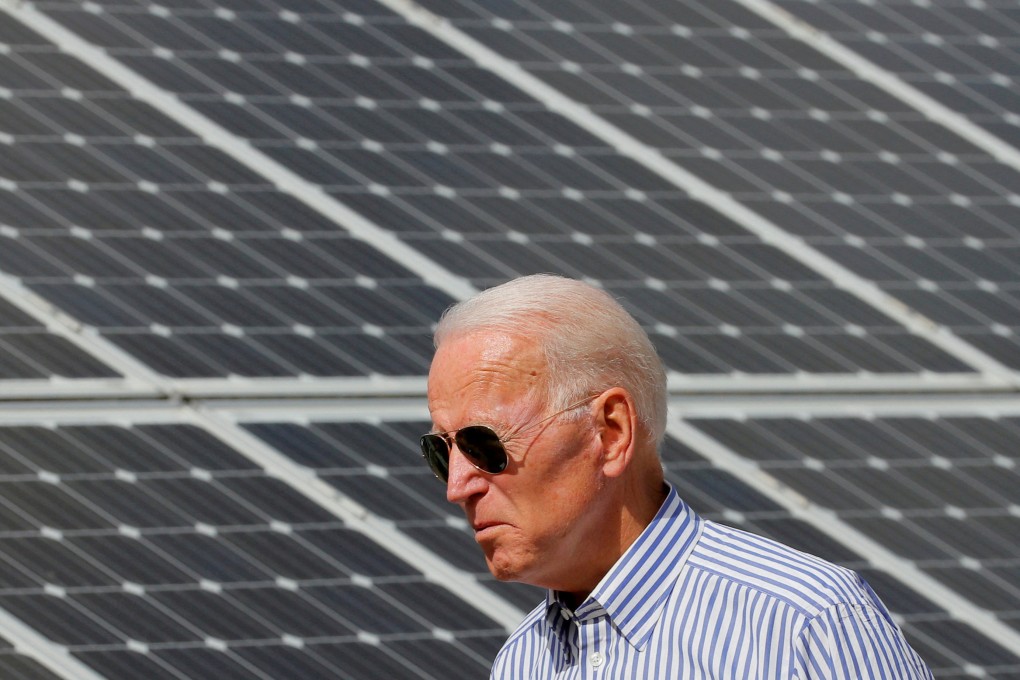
502, 423
514, 431
446, 433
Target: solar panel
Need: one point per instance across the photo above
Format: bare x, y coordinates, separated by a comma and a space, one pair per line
208, 553
958, 54
183, 257
363, 460
465, 167
157, 546
233, 191
29, 351
871, 477
804, 141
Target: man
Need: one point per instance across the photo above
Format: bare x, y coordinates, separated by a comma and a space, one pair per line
549, 405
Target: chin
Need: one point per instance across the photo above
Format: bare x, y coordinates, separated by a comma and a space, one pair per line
505, 567
500, 571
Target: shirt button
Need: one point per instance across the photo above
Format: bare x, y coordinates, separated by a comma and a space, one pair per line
596, 660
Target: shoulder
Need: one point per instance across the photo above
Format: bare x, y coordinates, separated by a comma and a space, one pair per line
856, 640
835, 613
804, 582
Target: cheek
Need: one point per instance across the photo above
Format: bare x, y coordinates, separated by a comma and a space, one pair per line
577, 478
552, 497
565, 504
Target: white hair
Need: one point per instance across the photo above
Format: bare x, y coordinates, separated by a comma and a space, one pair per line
591, 343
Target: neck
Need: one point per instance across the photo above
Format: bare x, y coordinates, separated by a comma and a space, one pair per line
638, 509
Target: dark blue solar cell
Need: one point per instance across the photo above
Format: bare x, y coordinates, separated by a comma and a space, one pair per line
210, 558
805, 537
898, 597
276, 499
17, 667
279, 661
358, 553
968, 643
366, 660
137, 616
125, 665
14, 76
196, 661
729, 491
133, 560
43, 560
61, 620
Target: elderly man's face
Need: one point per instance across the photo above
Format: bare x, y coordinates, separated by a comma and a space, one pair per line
537, 520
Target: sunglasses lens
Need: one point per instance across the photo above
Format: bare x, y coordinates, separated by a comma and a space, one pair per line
483, 447
479, 443
437, 455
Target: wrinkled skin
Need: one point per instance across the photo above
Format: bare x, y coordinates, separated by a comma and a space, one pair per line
539, 519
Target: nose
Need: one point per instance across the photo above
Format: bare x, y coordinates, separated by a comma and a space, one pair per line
464, 479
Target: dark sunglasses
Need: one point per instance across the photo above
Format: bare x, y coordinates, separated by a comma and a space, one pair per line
479, 443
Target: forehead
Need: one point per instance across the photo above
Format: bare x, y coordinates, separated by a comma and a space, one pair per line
483, 372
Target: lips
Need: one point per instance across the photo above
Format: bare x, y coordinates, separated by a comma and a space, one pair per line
483, 527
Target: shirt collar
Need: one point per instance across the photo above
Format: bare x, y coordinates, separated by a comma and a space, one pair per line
635, 590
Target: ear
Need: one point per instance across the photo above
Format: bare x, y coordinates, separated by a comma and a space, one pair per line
617, 428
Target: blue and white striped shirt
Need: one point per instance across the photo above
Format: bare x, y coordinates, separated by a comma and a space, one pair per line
695, 599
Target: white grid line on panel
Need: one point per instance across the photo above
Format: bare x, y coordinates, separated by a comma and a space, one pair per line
51, 655
829, 524
679, 383
351, 387
994, 372
75, 388
244, 411
99, 412
889, 82
873, 405
386, 408
833, 383
883, 405
217, 137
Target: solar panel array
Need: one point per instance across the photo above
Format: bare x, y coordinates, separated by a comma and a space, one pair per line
936, 492
158, 549
961, 54
260, 199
